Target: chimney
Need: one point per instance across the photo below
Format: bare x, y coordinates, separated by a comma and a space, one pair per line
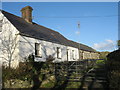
27, 14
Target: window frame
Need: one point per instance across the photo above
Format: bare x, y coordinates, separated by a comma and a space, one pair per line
67, 54
38, 50
59, 53
73, 54
1, 23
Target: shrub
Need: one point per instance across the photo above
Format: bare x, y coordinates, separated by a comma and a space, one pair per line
28, 70
23, 72
113, 64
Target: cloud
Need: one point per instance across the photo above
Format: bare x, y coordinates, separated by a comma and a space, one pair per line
106, 45
110, 41
77, 32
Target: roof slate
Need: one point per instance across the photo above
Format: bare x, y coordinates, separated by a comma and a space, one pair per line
40, 32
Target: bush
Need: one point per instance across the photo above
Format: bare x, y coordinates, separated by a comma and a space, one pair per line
23, 72
113, 64
28, 70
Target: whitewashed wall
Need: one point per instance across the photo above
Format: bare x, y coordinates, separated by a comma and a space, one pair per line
70, 58
8, 42
27, 47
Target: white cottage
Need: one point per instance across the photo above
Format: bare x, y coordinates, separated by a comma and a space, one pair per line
20, 37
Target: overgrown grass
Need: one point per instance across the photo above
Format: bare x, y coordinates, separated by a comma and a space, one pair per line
39, 73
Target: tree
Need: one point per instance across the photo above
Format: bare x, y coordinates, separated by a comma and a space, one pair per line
8, 41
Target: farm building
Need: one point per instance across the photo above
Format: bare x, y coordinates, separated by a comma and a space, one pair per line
20, 37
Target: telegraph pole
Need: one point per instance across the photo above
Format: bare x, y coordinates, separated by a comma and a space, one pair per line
118, 25
118, 43
77, 62
79, 39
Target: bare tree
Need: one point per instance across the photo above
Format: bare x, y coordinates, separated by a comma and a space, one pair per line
8, 41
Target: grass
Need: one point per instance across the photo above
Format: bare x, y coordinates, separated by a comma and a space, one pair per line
48, 85
100, 62
69, 85
73, 85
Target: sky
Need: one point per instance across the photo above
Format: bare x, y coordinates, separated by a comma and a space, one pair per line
98, 20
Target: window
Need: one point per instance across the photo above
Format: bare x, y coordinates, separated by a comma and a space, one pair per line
0, 25
67, 54
38, 50
58, 52
73, 54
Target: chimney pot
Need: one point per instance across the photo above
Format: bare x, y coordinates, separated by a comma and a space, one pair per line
27, 13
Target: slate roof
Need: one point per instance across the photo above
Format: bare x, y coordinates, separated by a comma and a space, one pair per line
40, 32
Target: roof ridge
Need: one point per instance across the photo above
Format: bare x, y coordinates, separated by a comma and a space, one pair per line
28, 23
33, 22
45, 27
39, 32
12, 14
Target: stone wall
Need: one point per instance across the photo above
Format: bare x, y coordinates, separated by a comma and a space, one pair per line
88, 55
